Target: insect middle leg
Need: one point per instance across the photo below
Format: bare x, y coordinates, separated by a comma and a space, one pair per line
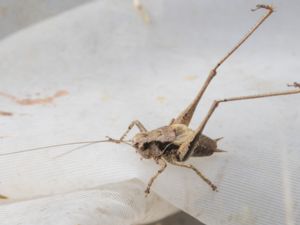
163, 165
185, 147
137, 123
190, 166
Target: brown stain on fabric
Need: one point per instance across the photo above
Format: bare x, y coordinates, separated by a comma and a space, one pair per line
35, 101
105, 98
3, 113
161, 99
3, 197
190, 77
142, 11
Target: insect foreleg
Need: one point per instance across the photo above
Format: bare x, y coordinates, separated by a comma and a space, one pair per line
137, 123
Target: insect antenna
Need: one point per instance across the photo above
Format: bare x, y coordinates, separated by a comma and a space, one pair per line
82, 143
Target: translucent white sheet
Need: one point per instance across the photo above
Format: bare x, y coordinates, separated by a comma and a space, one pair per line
113, 68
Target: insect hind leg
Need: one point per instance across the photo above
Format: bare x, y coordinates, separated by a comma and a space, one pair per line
186, 116
216, 103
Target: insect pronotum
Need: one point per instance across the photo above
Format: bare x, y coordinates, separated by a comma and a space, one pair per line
176, 142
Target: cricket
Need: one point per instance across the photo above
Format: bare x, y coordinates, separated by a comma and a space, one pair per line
176, 142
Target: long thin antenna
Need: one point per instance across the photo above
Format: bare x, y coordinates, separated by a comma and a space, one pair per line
74, 149
84, 143
91, 143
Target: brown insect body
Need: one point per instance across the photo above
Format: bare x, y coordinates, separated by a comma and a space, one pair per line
166, 141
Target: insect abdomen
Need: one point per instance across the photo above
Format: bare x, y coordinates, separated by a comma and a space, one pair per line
204, 146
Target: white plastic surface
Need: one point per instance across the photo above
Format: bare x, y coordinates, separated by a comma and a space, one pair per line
113, 68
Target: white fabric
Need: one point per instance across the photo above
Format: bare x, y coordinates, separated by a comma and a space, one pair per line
119, 203
115, 69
